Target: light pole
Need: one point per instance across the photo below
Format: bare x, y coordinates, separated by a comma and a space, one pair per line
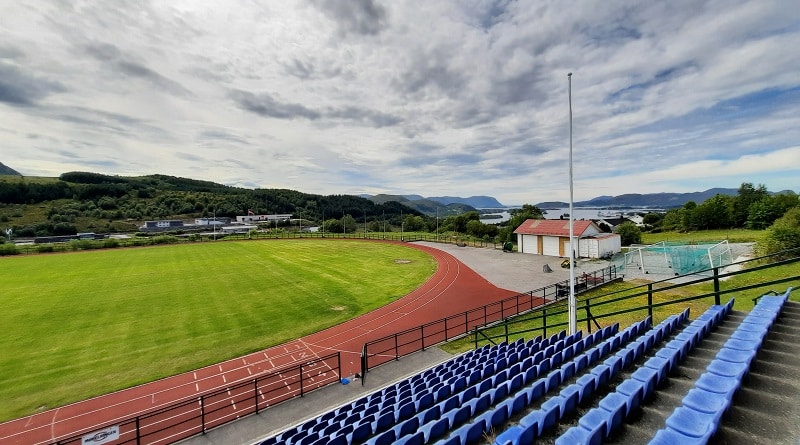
573, 315
384, 224
365, 223
437, 223
323, 224
402, 223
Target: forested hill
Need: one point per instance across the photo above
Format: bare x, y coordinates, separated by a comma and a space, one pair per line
6, 170
82, 201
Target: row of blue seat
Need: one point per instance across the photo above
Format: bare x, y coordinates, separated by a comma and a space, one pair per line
701, 410
424, 389
489, 391
503, 407
563, 370
565, 403
602, 421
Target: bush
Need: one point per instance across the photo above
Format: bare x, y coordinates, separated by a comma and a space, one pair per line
629, 233
8, 249
783, 235
110, 243
45, 248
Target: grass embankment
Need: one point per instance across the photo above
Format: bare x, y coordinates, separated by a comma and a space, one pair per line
744, 299
732, 235
77, 325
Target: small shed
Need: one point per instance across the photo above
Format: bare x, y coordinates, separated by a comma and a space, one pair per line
551, 237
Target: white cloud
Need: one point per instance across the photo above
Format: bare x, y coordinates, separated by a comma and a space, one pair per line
433, 98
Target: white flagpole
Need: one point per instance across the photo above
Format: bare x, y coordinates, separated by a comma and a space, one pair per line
573, 314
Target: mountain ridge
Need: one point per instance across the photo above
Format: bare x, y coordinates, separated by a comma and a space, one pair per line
8, 171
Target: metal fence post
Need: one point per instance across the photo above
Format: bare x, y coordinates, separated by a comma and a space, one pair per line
544, 322
255, 393
301, 380
650, 300
202, 415
396, 352
716, 286
138, 434
422, 335
445, 329
588, 315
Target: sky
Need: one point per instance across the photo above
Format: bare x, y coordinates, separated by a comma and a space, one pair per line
436, 98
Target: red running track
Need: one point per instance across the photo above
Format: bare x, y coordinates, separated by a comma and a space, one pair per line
453, 288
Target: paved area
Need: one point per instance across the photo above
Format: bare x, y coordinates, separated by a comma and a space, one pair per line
515, 271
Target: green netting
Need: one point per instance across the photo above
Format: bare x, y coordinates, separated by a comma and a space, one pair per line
675, 259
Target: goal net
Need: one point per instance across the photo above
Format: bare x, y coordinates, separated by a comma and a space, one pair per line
664, 258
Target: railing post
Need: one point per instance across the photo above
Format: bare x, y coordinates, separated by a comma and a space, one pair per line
445, 329
505, 324
716, 286
364, 364
396, 352
422, 335
650, 300
255, 393
475, 335
202, 414
138, 434
544, 322
588, 315
301, 380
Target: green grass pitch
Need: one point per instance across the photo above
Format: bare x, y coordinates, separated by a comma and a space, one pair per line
81, 324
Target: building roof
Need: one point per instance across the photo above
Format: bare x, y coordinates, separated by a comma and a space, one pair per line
553, 227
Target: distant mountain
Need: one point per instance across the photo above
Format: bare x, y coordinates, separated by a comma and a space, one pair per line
656, 200
479, 202
427, 206
4, 170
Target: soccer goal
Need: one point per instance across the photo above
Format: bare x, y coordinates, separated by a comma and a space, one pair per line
665, 258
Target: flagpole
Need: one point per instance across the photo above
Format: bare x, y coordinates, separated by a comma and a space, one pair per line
573, 315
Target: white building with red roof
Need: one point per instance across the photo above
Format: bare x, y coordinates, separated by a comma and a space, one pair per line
551, 237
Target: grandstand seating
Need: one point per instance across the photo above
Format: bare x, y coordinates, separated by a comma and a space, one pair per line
524, 389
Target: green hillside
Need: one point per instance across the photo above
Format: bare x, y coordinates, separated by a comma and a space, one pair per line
92, 202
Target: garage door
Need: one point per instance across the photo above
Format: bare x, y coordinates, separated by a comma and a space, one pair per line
550, 246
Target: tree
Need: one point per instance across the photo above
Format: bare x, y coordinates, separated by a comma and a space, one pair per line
349, 224
333, 226
783, 235
518, 216
747, 195
629, 233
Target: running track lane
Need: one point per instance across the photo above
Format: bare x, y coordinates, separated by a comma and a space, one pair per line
453, 288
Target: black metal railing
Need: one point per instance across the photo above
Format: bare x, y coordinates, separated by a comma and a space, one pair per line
590, 310
198, 414
392, 347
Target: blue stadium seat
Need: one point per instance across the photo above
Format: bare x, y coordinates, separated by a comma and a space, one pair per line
567, 371
385, 438
361, 433
544, 418
468, 394
599, 419
536, 391
471, 432
412, 439
429, 414
672, 437
450, 403
602, 374
516, 435
577, 435
706, 401
692, 423
553, 380
424, 401
459, 416
480, 404
634, 391
568, 400
434, 430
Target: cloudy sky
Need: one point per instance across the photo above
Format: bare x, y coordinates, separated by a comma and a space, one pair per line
426, 97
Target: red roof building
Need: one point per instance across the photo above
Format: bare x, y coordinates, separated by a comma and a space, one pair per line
551, 237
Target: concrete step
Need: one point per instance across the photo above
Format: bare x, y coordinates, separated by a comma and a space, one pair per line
642, 428
767, 407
